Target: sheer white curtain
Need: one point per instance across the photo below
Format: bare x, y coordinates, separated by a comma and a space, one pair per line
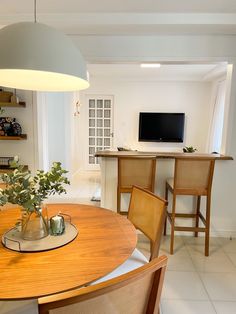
216, 125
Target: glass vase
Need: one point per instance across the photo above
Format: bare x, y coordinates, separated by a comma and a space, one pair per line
35, 224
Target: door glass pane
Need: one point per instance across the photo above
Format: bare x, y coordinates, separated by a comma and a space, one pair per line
99, 123
99, 103
99, 141
107, 103
91, 103
107, 141
92, 122
91, 159
92, 141
99, 132
91, 150
91, 113
107, 123
107, 113
91, 132
107, 132
99, 113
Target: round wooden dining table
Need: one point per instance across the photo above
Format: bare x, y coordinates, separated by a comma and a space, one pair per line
104, 241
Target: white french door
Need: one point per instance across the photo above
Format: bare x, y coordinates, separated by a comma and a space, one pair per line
100, 126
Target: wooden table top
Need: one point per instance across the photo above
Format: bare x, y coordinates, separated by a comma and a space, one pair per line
173, 155
104, 242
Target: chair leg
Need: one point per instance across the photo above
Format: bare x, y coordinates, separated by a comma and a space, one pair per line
172, 235
197, 214
166, 198
207, 233
118, 201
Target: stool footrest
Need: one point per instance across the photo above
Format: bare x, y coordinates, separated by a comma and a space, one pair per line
193, 229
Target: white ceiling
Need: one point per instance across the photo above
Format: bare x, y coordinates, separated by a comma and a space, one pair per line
182, 72
131, 6
126, 17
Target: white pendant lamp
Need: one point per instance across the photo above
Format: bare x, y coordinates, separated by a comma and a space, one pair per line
34, 56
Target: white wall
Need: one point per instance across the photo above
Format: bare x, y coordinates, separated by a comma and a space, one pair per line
25, 149
132, 97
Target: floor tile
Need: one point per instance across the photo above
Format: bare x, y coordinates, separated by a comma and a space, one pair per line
178, 244
183, 285
229, 246
232, 257
217, 261
180, 261
186, 307
198, 246
220, 286
200, 240
224, 307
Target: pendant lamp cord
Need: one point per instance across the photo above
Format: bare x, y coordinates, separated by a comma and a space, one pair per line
35, 13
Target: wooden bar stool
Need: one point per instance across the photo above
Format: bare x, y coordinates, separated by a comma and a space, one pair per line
192, 176
138, 171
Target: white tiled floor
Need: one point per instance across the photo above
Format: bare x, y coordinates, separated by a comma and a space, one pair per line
194, 284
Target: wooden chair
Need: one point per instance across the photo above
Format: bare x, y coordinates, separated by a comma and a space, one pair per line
147, 212
138, 171
137, 292
191, 177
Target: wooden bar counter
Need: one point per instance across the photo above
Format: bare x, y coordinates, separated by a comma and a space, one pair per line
171, 155
164, 170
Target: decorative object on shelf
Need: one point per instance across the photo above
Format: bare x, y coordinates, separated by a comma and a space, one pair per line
1, 110
60, 67
6, 162
5, 96
189, 149
9, 127
29, 192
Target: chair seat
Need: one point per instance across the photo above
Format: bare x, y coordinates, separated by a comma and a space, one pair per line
136, 260
19, 307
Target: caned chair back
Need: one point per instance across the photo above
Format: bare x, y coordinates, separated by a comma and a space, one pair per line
136, 171
137, 292
193, 176
147, 212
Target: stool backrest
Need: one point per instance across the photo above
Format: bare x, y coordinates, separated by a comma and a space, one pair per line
194, 175
136, 171
147, 212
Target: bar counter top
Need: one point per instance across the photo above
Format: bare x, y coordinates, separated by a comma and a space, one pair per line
134, 153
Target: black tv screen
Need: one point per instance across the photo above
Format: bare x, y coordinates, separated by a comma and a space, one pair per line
161, 127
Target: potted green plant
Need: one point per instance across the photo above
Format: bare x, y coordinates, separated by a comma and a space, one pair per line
29, 192
189, 149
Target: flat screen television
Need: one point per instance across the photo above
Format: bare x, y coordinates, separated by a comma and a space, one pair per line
161, 127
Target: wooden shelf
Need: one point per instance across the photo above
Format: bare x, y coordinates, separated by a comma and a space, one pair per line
21, 104
14, 138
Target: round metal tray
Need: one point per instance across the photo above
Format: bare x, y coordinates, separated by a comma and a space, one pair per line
12, 240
